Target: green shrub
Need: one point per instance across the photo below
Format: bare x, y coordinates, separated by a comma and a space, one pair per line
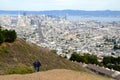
86, 58
54, 51
4, 49
19, 70
7, 35
10, 35
1, 37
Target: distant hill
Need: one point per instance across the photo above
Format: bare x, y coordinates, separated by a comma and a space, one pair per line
18, 56
65, 12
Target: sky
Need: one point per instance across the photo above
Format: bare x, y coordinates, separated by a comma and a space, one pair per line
41, 5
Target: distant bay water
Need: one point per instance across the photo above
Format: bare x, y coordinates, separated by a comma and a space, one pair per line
93, 18
83, 18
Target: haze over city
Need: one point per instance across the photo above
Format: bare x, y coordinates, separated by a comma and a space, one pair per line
40, 5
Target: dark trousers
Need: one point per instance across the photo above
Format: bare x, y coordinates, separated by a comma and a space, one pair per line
36, 69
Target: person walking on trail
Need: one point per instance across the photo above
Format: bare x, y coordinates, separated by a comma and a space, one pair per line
36, 65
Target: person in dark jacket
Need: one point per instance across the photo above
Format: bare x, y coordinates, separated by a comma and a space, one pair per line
36, 65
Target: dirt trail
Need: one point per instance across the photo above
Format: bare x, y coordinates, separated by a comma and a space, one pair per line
57, 74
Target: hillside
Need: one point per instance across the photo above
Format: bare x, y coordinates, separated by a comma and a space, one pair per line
56, 74
17, 58
20, 55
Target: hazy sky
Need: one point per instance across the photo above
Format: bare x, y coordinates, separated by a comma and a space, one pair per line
37, 5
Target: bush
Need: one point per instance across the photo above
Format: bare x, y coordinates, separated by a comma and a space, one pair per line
111, 62
86, 58
3, 50
10, 35
19, 70
7, 35
54, 51
1, 37
75, 57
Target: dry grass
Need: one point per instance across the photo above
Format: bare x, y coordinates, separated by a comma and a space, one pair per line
20, 52
57, 74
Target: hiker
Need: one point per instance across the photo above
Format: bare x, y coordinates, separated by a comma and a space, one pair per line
36, 65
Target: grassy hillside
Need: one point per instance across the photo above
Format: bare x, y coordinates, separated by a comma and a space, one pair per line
17, 57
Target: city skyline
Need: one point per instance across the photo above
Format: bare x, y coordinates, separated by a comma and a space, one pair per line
40, 5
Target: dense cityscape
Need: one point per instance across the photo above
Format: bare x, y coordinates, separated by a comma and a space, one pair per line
59, 40
67, 36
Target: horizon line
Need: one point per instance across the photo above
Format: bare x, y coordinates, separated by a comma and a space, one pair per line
60, 10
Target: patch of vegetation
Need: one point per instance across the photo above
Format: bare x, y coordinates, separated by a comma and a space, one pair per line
112, 62
19, 69
54, 51
86, 58
108, 61
4, 49
7, 35
24, 53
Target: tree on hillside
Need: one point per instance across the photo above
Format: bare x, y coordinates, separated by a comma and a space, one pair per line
0, 28
1, 37
7, 35
112, 62
90, 59
86, 58
10, 35
75, 57
13, 35
106, 60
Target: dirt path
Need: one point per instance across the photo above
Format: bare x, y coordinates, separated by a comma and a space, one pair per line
57, 74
